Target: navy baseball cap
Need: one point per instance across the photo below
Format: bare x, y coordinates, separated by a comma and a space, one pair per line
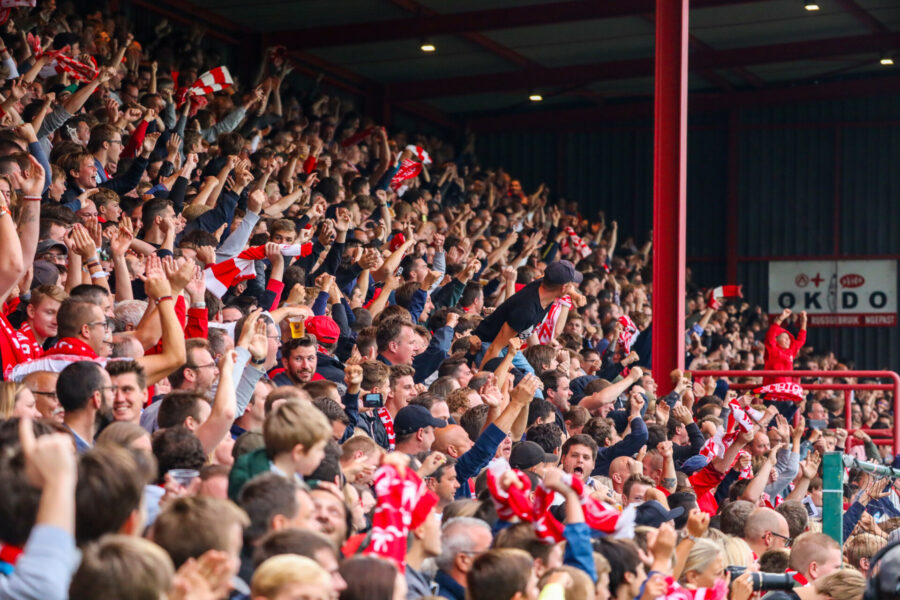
562, 272
412, 418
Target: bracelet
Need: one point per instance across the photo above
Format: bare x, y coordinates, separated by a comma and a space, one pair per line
4, 210
98, 275
33, 198
161, 298
198, 305
93, 263
257, 363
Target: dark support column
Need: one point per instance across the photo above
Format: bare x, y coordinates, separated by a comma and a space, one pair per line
669, 188
731, 206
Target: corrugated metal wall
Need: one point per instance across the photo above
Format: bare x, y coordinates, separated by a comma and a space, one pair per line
800, 167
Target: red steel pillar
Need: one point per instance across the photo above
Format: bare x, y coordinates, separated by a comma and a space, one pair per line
669, 188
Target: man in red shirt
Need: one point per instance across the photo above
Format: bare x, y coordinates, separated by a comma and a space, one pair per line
782, 347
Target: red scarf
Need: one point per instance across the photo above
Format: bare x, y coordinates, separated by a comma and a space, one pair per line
797, 576
10, 554
388, 423
15, 347
403, 504
72, 347
27, 331
675, 592
514, 503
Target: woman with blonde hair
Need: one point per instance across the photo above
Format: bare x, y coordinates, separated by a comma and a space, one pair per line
738, 553
16, 400
844, 584
126, 434
291, 574
704, 566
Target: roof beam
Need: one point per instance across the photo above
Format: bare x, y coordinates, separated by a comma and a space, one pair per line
863, 16
578, 119
473, 21
642, 67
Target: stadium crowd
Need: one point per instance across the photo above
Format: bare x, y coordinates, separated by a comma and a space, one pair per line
255, 345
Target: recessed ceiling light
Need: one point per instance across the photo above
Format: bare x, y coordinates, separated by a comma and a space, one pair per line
427, 47
887, 60
811, 5
535, 97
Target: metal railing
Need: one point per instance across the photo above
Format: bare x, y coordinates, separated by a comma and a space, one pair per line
892, 437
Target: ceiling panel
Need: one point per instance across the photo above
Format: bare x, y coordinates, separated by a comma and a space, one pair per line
276, 15
582, 42
402, 60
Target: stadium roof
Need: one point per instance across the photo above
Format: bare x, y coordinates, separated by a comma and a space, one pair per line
577, 54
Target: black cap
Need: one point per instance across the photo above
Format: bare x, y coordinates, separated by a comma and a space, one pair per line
412, 418
653, 514
525, 455
562, 272
44, 246
45, 273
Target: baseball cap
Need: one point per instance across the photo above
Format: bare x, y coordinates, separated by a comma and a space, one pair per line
561, 272
45, 273
525, 455
325, 329
412, 418
653, 514
44, 246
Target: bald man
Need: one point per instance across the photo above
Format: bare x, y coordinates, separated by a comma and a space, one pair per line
765, 529
815, 555
620, 469
760, 444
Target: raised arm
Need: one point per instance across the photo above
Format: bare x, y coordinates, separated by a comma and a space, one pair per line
612, 391
224, 407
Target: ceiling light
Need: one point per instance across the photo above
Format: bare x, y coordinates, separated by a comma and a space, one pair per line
887, 60
535, 97
427, 46
811, 5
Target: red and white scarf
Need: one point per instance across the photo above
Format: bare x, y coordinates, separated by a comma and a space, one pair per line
221, 276
548, 325
419, 152
786, 391
60, 62
408, 169
580, 246
404, 502
388, 423
723, 291
514, 503
65, 352
629, 333
6, 7
740, 420
15, 347
212, 81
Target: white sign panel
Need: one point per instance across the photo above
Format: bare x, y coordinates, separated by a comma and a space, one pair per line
844, 293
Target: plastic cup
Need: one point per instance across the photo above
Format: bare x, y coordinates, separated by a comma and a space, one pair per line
184, 477
298, 329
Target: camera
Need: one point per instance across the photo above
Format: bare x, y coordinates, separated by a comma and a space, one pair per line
373, 401
764, 582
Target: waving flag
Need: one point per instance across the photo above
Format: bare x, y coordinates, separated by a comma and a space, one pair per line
212, 81
723, 291
408, 169
419, 152
786, 391
221, 276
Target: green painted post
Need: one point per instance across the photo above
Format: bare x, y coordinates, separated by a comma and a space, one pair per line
833, 497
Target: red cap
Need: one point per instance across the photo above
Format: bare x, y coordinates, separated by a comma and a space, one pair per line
323, 328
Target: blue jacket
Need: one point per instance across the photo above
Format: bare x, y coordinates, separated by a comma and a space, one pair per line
438, 349
477, 458
448, 588
627, 447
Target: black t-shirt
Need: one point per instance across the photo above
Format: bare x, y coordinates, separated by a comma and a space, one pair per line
523, 312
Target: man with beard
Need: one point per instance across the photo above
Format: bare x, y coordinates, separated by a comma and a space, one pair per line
84, 390
299, 359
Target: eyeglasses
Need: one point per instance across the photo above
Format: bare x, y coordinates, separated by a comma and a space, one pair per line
106, 324
48, 394
787, 540
198, 367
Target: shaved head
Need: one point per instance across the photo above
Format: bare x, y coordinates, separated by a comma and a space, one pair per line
451, 440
